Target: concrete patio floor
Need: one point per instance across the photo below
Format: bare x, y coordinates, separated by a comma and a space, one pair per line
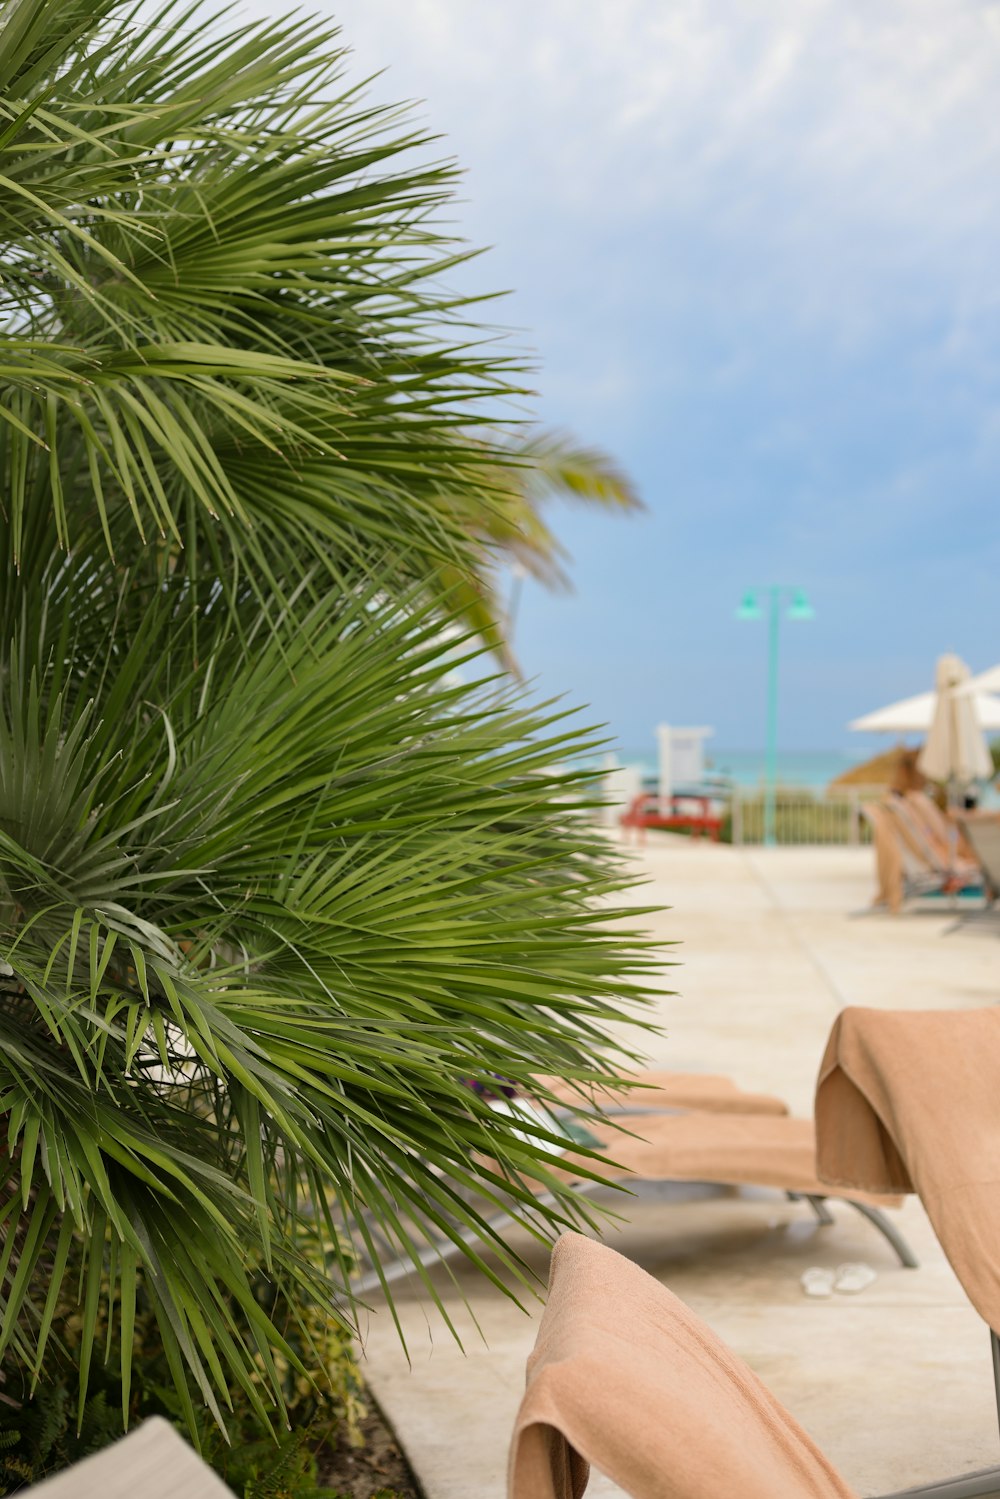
895, 1383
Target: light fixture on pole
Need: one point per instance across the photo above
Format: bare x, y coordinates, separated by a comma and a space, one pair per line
799, 607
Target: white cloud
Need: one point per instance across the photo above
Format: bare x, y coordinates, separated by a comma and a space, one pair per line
767, 169
855, 142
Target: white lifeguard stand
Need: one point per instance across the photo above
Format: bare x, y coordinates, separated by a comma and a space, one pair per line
681, 757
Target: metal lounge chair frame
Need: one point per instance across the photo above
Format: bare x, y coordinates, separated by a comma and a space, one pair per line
439, 1247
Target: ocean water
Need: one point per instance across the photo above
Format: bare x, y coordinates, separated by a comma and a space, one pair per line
810, 770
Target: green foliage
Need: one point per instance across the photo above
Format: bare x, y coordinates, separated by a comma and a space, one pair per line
322, 1396
224, 324
42, 1436
264, 910
273, 885
219, 297
554, 466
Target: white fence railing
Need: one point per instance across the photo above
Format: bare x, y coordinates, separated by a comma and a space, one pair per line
802, 818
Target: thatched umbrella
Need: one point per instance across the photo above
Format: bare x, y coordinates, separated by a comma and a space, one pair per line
891, 768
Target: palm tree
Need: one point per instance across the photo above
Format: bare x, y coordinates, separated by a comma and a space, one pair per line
273, 889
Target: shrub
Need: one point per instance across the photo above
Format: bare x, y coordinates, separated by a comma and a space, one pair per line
264, 912
273, 885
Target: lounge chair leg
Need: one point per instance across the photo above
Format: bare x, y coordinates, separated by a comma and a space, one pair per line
995, 1347
884, 1226
818, 1205
881, 1222
888, 1231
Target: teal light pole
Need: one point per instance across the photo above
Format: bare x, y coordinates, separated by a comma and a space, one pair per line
799, 607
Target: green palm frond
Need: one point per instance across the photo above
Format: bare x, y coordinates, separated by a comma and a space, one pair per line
219, 297
265, 913
537, 469
548, 466
222, 311
274, 885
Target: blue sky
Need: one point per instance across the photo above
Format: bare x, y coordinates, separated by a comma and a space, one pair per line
755, 248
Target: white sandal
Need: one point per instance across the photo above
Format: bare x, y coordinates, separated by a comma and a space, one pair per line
818, 1282
853, 1277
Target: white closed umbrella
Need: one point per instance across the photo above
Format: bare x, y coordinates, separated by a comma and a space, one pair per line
956, 750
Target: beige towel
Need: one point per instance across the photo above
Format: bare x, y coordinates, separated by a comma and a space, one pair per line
671, 1090
732, 1149
625, 1378
909, 1101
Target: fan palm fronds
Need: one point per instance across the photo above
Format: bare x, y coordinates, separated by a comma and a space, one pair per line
273, 887
264, 914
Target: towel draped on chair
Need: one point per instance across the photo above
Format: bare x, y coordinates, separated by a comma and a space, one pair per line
756, 1150
908, 1102
626, 1379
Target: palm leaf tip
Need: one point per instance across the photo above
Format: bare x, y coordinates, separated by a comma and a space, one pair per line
561, 467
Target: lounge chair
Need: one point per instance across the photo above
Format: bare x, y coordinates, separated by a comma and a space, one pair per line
678, 1152
659, 1091
152, 1462
938, 836
910, 860
982, 832
909, 1101
625, 1378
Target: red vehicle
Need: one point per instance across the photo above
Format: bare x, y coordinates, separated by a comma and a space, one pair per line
683, 813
